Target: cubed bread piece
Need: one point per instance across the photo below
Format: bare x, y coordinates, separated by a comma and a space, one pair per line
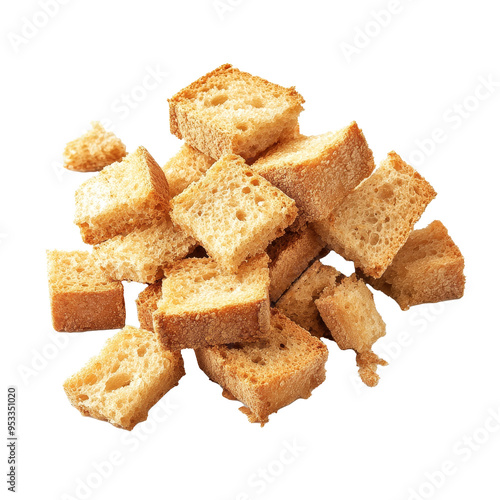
374, 221
318, 171
297, 303
203, 305
142, 254
349, 312
82, 297
130, 375
147, 303
269, 374
429, 268
290, 255
94, 150
232, 212
122, 197
186, 167
228, 111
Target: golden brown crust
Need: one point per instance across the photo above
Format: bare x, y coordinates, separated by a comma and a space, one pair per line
214, 137
271, 373
318, 172
81, 297
428, 268
290, 255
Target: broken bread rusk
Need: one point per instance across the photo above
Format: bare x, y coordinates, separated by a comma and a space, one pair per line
229, 111
122, 197
142, 254
202, 305
94, 150
130, 375
318, 171
374, 221
233, 212
428, 268
271, 373
147, 303
290, 255
297, 303
349, 312
82, 297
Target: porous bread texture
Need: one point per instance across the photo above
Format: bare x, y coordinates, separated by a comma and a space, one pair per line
428, 268
82, 297
228, 111
130, 375
203, 305
269, 374
147, 303
233, 212
290, 255
318, 171
297, 303
349, 312
94, 150
142, 254
186, 167
122, 197
374, 221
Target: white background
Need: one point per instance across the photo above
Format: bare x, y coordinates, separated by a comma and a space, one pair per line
408, 78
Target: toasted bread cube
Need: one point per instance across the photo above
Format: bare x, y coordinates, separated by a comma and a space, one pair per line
269, 374
374, 222
142, 254
297, 303
290, 255
147, 303
232, 212
429, 268
318, 171
186, 167
349, 312
94, 150
82, 297
228, 111
202, 305
130, 375
122, 197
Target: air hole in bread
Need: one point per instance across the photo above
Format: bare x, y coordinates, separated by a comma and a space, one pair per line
248, 173
374, 239
257, 102
241, 215
258, 360
254, 182
115, 367
82, 397
242, 126
386, 191
117, 382
90, 379
246, 190
283, 346
141, 351
218, 99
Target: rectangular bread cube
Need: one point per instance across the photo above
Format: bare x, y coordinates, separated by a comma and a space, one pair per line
232, 212
147, 303
318, 171
267, 375
122, 197
142, 254
297, 303
375, 220
202, 305
82, 297
349, 312
429, 268
130, 375
186, 167
290, 255
94, 150
228, 111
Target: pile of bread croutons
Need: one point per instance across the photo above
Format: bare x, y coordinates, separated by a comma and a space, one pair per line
228, 236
